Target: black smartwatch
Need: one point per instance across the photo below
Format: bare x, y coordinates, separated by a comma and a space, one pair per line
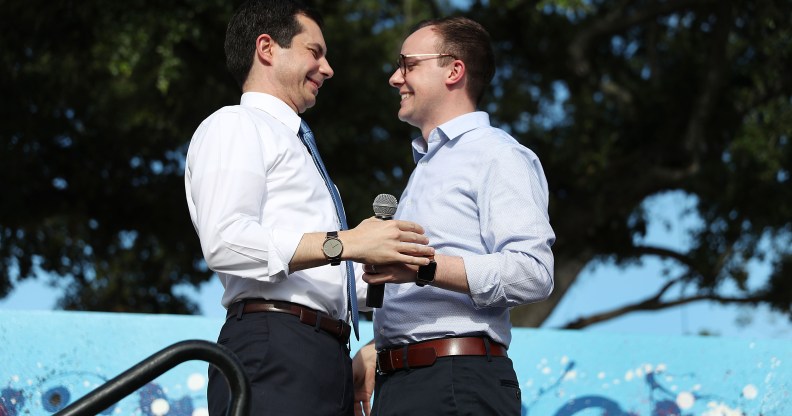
332, 248
426, 274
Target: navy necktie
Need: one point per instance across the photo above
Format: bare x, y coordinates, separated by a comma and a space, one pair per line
307, 138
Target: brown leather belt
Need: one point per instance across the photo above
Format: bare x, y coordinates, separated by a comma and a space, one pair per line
308, 316
424, 354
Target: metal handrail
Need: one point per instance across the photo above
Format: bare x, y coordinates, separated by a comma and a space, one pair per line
152, 367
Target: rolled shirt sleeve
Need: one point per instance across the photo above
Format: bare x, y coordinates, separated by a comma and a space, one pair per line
515, 230
228, 184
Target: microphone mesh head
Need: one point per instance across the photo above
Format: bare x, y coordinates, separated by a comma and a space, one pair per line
385, 206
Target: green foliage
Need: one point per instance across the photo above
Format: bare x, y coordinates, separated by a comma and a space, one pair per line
620, 100
96, 113
662, 96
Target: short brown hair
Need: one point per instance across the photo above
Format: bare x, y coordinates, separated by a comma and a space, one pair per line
469, 42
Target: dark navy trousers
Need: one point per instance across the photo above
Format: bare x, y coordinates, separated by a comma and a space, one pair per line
463, 385
293, 369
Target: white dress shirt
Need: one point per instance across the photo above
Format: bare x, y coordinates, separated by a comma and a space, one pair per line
482, 196
253, 191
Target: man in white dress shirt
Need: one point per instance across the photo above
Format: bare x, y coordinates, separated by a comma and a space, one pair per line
443, 331
269, 224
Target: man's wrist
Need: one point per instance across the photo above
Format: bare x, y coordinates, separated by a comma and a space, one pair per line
332, 248
426, 274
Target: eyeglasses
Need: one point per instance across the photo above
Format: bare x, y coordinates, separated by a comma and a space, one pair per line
403, 64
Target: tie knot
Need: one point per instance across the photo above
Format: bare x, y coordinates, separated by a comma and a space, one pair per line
304, 129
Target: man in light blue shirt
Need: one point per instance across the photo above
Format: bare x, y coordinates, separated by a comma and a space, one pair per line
442, 334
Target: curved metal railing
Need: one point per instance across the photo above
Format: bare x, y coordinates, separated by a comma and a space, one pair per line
152, 367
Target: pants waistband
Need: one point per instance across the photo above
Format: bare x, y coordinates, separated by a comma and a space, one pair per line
335, 327
424, 354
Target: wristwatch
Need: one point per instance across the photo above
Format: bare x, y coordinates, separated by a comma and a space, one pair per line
332, 248
426, 274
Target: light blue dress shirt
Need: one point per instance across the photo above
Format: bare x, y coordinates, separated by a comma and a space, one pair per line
482, 196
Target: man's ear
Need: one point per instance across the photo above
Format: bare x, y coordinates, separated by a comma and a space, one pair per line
264, 48
457, 73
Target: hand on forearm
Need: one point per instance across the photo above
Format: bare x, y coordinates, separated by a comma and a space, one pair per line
450, 274
389, 273
376, 241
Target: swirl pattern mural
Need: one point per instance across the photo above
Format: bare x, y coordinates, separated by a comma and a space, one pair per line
52, 359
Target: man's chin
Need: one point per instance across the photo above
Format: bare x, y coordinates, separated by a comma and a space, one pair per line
404, 115
308, 104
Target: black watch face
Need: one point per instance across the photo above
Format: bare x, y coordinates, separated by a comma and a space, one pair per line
427, 273
332, 247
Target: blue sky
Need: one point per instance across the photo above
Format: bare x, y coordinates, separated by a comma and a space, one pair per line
598, 288
603, 287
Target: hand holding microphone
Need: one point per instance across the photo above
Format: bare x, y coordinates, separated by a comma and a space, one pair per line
384, 207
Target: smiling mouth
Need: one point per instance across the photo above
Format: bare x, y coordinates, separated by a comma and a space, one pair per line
404, 96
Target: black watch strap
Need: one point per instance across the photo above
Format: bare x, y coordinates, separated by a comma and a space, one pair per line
426, 274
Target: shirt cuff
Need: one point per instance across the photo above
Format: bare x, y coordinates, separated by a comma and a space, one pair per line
481, 271
285, 244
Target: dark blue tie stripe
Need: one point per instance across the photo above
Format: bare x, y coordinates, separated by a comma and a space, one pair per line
307, 138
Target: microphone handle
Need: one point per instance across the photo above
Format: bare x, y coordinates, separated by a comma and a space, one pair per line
375, 293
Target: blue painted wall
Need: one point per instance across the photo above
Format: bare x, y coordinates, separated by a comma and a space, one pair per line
50, 359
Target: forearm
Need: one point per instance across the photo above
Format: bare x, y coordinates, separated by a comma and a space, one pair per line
372, 241
451, 274
500, 279
308, 253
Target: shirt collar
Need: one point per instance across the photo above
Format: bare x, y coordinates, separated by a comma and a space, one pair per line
451, 130
273, 106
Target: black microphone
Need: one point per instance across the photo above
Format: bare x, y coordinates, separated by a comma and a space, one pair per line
384, 208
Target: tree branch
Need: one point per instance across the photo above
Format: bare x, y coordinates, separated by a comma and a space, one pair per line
618, 20
717, 266
669, 175
704, 107
654, 303
713, 82
639, 251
